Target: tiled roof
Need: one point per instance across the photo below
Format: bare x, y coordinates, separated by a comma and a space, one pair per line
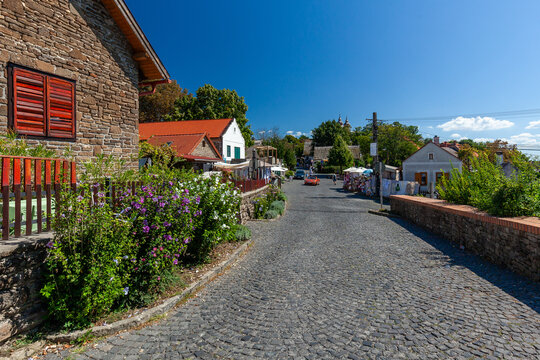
184, 144
214, 128
322, 152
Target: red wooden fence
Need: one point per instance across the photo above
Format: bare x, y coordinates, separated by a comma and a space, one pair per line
247, 185
35, 173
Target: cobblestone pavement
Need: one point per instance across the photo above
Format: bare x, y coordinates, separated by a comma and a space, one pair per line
330, 281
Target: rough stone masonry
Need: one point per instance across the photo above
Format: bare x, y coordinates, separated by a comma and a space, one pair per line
78, 40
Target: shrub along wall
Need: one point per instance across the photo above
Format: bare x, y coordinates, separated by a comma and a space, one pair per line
247, 210
511, 242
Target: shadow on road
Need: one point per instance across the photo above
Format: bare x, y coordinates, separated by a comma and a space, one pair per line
526, 291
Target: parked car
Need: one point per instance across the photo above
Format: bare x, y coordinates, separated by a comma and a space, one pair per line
311, 180
299, 174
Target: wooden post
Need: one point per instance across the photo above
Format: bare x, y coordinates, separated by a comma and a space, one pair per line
48, 192
28, 193
17, 192
5, 197
37, 184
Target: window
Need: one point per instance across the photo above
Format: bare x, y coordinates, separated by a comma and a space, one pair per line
430, 156
41, 104
203, 143
421, 178
228, 150
439, 175
236, 152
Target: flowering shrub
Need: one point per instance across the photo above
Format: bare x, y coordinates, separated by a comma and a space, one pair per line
87, 271
218, 208
105, 257
162, 224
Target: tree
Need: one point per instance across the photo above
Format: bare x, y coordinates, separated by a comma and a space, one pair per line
396, 141
325, 134
157, 106
211, 103
289, 159
340, 155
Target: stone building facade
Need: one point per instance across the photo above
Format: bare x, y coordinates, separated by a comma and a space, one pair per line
82, 42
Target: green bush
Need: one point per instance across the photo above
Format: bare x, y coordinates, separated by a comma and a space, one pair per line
289, 173
281, 196
242, 233
271, 214
219, 205
485, 187
106, 257
278, 206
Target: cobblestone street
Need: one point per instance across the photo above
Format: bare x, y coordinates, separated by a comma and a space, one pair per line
330, 281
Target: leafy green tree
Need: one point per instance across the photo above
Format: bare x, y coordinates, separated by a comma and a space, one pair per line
157, 106
289, 159
397, 142
340, 155
325, 134
211, 103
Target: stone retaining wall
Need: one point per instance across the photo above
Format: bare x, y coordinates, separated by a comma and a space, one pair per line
20, 281
247, 210
511, 242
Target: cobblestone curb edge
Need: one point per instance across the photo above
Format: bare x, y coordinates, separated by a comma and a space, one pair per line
161, 309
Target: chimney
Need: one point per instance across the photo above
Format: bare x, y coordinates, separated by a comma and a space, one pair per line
436, 140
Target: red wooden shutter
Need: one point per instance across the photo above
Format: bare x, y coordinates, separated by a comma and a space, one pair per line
61, 108
29, 102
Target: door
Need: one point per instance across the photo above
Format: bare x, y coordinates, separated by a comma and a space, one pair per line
236, 152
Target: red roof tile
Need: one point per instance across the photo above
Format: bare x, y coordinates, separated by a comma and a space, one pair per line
184, 144
214, 128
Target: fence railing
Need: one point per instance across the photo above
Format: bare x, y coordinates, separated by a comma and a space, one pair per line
27, 183
247, 185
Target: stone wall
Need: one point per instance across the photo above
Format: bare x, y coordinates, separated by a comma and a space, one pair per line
76, 39
20, 281
247, 210
510, 242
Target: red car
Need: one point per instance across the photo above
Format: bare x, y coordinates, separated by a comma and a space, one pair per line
311, 180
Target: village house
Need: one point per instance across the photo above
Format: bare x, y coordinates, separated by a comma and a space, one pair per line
322, 153
70, 72
197, 149
224, 133
427, 165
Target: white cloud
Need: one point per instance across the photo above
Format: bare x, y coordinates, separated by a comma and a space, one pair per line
524, 139
483, 140
475, 124
297, 133
456, 137
533, 125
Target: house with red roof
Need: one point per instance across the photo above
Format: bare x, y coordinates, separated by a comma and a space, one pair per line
198, 149
225, 134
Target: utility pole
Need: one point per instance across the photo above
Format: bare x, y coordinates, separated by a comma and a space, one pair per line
376, 166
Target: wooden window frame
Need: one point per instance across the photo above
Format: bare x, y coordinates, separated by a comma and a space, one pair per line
430, 156
11, 104
440, 174
229, 151
422, 183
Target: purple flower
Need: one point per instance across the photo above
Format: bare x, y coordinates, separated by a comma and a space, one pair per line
166, 224
197, 200
166, 237
116, 261
50, 245
170, 183
126, 290
162, 204
146, 229
80, 198
186, 240
175, 262
100, 194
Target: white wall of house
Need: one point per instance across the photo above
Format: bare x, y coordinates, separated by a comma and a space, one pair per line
233, 144
422, 162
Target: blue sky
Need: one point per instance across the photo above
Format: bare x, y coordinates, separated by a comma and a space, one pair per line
298, 63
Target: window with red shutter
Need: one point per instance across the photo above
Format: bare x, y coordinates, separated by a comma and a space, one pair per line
41, 104
61, 106
29, 113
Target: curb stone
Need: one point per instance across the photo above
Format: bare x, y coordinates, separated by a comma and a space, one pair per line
385, 214
161, 309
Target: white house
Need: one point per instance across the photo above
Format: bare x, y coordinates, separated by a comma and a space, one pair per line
429, 164
224, 133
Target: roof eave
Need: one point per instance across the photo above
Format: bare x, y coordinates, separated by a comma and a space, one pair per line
121, 6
